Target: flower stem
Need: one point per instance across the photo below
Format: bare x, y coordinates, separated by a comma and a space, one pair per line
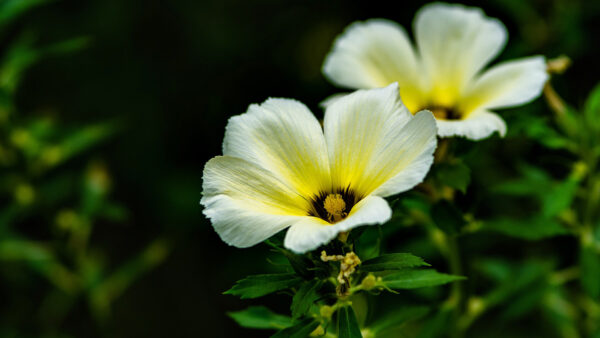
448, 246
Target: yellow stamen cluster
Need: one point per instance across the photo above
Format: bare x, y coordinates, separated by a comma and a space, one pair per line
348, 264
335, 206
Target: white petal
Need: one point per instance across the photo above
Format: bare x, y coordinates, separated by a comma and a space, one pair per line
245, 203
285, 138
311, 232
476, 126
374, 54
371, 141
455, 42
409, 156
507, 84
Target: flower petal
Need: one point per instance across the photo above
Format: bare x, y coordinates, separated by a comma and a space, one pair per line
372, 139
455, 42
507, 84
476, 126
374, 54
311, 232
283, 137
407, 160
245, 203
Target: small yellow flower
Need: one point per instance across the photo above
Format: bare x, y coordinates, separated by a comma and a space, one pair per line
444, 72
281, 169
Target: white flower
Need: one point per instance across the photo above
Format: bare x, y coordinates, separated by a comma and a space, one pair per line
281, 169
444, 73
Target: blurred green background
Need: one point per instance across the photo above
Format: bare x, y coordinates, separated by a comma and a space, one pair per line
107, 238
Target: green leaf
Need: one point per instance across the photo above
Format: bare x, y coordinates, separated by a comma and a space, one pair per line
301, 264
260, 317
394, 261
417, 278
539, 129
307, 294
300, 330
455, 175
562, 313
447, 217
559, 198
515, 280
532, 229
22, 55
591, 109
589, 261
397, 318
260, 285
368, 245
104, 292
40, 259
533, 182
347, 326
11, 9
437, 326
84, 138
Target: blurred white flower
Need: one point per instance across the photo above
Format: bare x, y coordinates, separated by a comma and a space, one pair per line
444, 73
281, 169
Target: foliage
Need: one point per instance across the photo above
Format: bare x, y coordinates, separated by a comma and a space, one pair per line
38, 185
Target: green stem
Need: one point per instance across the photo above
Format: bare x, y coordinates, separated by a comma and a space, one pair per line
454, 262
448, 246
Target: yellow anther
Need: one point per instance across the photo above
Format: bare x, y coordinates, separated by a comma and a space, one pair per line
335, 206
348, 264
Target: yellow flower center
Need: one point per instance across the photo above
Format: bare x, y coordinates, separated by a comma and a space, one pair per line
335, 206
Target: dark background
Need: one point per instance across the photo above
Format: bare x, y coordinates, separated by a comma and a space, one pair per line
175, 71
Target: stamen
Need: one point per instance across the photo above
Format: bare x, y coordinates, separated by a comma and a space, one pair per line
335, 206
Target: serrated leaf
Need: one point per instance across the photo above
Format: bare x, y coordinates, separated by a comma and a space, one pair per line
306, 295
532, 229
455, 175
394, 261
418, 278
397, 318
347, 325
300, 330
447, 217
260, 317
260, 285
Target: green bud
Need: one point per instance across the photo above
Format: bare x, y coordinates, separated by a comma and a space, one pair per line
369, 282
326, 311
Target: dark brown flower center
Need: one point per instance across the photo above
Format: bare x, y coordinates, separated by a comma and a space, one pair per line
444, 113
